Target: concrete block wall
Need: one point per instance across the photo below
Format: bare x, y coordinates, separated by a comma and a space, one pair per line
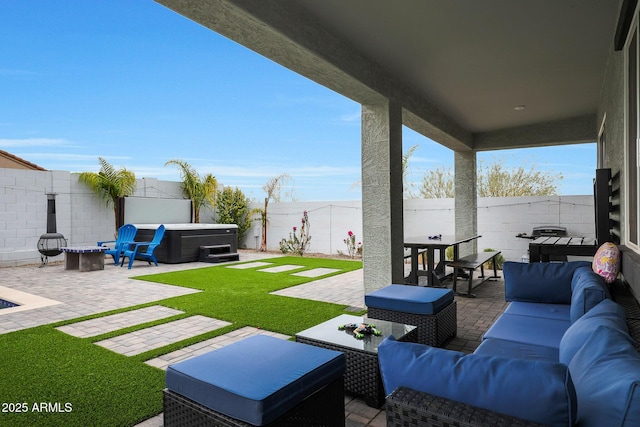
84, 219
81, 217
499, 221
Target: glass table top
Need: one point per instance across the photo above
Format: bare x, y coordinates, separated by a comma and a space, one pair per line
329, 333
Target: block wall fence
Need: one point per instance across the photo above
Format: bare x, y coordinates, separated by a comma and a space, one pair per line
84, 219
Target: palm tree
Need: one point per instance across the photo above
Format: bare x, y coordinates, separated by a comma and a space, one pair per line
110, 184
201, 190
273, 188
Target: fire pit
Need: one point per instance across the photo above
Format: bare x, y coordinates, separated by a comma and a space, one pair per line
50, 242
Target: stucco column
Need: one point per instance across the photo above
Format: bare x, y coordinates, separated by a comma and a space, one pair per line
466, 199
382, 206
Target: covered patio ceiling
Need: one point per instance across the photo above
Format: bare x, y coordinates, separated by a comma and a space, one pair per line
469, 74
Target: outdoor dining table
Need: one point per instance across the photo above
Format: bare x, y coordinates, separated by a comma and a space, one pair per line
433, 272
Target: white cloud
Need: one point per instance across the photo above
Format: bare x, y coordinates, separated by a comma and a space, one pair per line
16, 73
33, 142
351, 117
418, 159
70, 157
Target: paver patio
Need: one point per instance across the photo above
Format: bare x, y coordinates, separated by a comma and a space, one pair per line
81, 294
114, 322
161, 335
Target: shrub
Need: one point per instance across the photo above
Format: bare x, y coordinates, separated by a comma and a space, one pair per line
299, 240
353, 248
499, 260
233, 208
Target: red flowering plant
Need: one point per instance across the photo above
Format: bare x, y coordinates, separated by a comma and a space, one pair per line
353, 248
298, 243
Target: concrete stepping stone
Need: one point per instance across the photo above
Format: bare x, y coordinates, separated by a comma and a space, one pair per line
256, 264
114, 322
158, 336
281, 268
316, 272
165, 360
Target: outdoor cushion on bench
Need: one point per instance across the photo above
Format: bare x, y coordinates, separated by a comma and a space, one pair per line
547, 311
256, 380
540, 282
517, 350
528, 329
587, 290
606, 373
596, 347
607, 313
537, 391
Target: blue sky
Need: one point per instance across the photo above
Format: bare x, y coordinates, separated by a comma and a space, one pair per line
138, 84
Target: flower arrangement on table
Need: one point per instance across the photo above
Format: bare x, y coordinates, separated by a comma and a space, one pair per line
359, 330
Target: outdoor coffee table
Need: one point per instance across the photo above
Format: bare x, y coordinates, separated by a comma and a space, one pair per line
362, 377
84, 258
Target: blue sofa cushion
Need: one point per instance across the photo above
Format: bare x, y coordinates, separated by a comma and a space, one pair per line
533, 390
548, 311
528, 330
410, 299
493, 347
587, 290
606, 373
606, 313
255, 380
540, 282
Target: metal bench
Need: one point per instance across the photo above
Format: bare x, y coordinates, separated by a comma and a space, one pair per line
470, 263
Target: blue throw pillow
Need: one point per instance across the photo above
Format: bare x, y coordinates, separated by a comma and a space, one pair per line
534, 390
606, 313
540, 281
587, 290
606, 373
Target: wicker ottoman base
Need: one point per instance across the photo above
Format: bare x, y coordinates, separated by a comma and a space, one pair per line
433, 329
324, 408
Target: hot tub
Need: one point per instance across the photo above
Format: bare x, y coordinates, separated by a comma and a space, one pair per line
181, 242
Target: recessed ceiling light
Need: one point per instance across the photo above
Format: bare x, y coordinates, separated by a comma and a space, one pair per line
519, 107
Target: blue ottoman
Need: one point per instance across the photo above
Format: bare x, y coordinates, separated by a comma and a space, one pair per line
432, 310
259, 381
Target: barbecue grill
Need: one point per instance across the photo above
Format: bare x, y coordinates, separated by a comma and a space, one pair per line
544, 230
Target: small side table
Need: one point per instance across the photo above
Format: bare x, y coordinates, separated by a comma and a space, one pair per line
362, 377
84, 258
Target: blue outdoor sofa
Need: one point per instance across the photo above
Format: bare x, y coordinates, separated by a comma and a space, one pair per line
561, 355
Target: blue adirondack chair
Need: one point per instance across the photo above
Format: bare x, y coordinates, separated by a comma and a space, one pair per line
134, 251
126, 233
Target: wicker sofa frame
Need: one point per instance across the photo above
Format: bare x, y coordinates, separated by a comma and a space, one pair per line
433, 329
407, 407
324, 408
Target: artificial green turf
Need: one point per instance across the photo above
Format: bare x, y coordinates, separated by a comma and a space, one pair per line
79, 383
43, 365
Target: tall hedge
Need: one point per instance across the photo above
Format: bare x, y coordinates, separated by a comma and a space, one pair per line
233, 208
